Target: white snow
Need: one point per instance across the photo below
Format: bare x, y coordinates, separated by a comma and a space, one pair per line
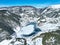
18, 43
17, 29
55, 6
38, 41
44, 11
5, 42
52, 39
27, 29
48, 27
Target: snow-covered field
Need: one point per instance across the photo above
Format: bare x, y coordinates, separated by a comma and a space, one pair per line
29, 29
5, 42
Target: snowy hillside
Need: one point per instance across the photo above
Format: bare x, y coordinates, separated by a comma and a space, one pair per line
27, 25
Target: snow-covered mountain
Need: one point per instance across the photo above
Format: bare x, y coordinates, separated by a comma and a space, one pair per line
29, 23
